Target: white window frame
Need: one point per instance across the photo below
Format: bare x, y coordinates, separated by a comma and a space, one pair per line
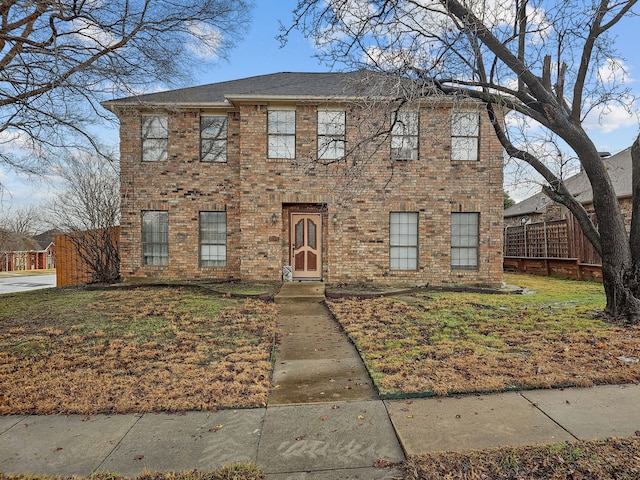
213, 138
213, 239
403, 241
155, 238
331, 134
465, 240
405, 128
465, 135
155, 138
281, 133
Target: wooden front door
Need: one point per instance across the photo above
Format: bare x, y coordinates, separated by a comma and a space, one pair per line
306, 241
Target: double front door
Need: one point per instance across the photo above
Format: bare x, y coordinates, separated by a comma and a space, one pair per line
306, 246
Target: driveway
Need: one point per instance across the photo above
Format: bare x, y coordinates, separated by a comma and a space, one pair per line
16, 282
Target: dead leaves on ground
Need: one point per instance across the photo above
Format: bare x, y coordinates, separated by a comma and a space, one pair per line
237, 471
603, 460
150, 350
450, 343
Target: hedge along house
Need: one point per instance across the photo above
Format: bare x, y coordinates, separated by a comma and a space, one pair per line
339, 177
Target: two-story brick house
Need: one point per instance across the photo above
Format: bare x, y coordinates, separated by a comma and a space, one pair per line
315, 171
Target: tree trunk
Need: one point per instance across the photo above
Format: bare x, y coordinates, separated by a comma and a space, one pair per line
620, 286
619, 267
621, 275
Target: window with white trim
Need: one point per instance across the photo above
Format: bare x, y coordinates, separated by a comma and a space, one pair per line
281, 130
331, 134
465, 235
404, 135
403, 240
465, 135
213, 138
155, 138
155, 238
213, 239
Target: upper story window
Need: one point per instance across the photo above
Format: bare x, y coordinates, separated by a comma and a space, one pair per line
213, 138
155, 238
331, 134
403, 240
281, 128
464, 240
155, 138
404, 135
465, 135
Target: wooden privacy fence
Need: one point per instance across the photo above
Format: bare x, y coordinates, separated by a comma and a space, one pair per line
556, 248
72, 257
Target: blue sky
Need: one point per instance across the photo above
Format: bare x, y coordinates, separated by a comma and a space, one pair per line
260, 53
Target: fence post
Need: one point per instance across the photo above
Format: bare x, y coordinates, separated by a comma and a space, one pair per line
546, 239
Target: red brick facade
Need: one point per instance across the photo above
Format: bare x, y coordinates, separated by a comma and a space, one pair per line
259, 194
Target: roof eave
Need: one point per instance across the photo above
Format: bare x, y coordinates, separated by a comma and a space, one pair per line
113, 105
296, 98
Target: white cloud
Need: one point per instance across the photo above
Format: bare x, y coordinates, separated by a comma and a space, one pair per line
611, 117
21, 190
92, 35
614, 71
205, 41
12, 141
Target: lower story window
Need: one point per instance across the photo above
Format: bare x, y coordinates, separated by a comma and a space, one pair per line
155, 238
213, 239
464, 240
403, 241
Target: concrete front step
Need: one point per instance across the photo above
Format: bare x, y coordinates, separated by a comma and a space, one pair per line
301, 292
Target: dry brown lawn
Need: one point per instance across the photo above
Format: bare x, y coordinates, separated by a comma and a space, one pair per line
443, 343
239, 471
142, 350
612, 459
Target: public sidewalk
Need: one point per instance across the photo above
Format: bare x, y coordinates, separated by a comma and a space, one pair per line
323, 420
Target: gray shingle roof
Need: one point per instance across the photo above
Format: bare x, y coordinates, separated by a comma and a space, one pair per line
619, 168
277, 85
534, 204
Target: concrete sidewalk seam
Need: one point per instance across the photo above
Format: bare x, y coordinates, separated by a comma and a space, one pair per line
537, 407
97, 469
22, 419
395, 430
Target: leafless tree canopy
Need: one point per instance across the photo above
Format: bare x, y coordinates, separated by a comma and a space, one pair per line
60, 58
89, 196
548, 63
87, 209
25, 220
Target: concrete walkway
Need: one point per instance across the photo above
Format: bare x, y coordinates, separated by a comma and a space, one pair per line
315, 362
323, 421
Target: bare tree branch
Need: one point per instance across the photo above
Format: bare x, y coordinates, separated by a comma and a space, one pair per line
505, 54
60, 59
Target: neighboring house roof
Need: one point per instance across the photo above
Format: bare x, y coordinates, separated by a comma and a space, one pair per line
619, 168
47, 238
534, 204
15, 242
284, 85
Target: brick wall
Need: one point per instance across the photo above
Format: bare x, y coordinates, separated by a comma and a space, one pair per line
252, 188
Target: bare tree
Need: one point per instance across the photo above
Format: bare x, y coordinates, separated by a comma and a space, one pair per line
59, 59
548, 63
87, 210
26, 220
17, 227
